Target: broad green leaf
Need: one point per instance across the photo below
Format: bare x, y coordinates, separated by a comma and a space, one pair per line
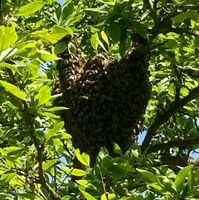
115, 32
44, 95
46, 56
83, 158
8, 37
190, 180
95, 41
12, 150
181, 176
14, 90
29, 9
78, 172
49, 163
67, 11
98, 10
104, 37
87, 195
152, 177
60, 47
141, 30
189, 14
52, 35
56, 128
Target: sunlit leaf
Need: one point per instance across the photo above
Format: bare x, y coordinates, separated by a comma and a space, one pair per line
108, 196
56, 128
95, 41
181, 176
52, 35
8, 37
83, 158
46, 56
57, 108
14, 90
49, 163
50, 115
87, 195
78, 172
152, 177
29, 9
104, 37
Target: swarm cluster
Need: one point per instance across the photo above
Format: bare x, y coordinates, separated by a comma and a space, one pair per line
106, 99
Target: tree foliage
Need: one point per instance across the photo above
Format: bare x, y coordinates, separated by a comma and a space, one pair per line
37, 154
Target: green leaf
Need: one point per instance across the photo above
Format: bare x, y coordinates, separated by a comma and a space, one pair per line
44, 95
108, 2
8, 37
50, 115
49, 163
117, 149
190, 180
14, 90
87, 195
57, 108
141, 30
98, 10
181, 176
104, 37
52, 35
66, 197
13, 150
56, 128
13, 68
155, 186
78, 172
65, 136
114, 32
83, 158
60, 47
95, 41
189, 14
67, 11
46, 56
108, 196
29, 9
152, 177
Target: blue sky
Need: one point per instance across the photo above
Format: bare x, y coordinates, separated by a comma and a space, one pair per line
61, 1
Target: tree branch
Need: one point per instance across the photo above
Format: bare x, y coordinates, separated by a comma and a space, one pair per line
30, 128
163, 116
187, 142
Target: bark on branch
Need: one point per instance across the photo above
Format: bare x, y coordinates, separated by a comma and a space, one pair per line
187, 142
163, 116
39, 148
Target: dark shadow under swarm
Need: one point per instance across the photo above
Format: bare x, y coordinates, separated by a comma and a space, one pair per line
106, 99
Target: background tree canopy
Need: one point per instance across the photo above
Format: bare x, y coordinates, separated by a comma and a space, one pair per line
37, 154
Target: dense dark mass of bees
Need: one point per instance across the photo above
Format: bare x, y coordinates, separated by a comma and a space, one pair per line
106, 99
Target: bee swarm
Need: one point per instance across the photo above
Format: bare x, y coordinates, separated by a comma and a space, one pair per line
106, 99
